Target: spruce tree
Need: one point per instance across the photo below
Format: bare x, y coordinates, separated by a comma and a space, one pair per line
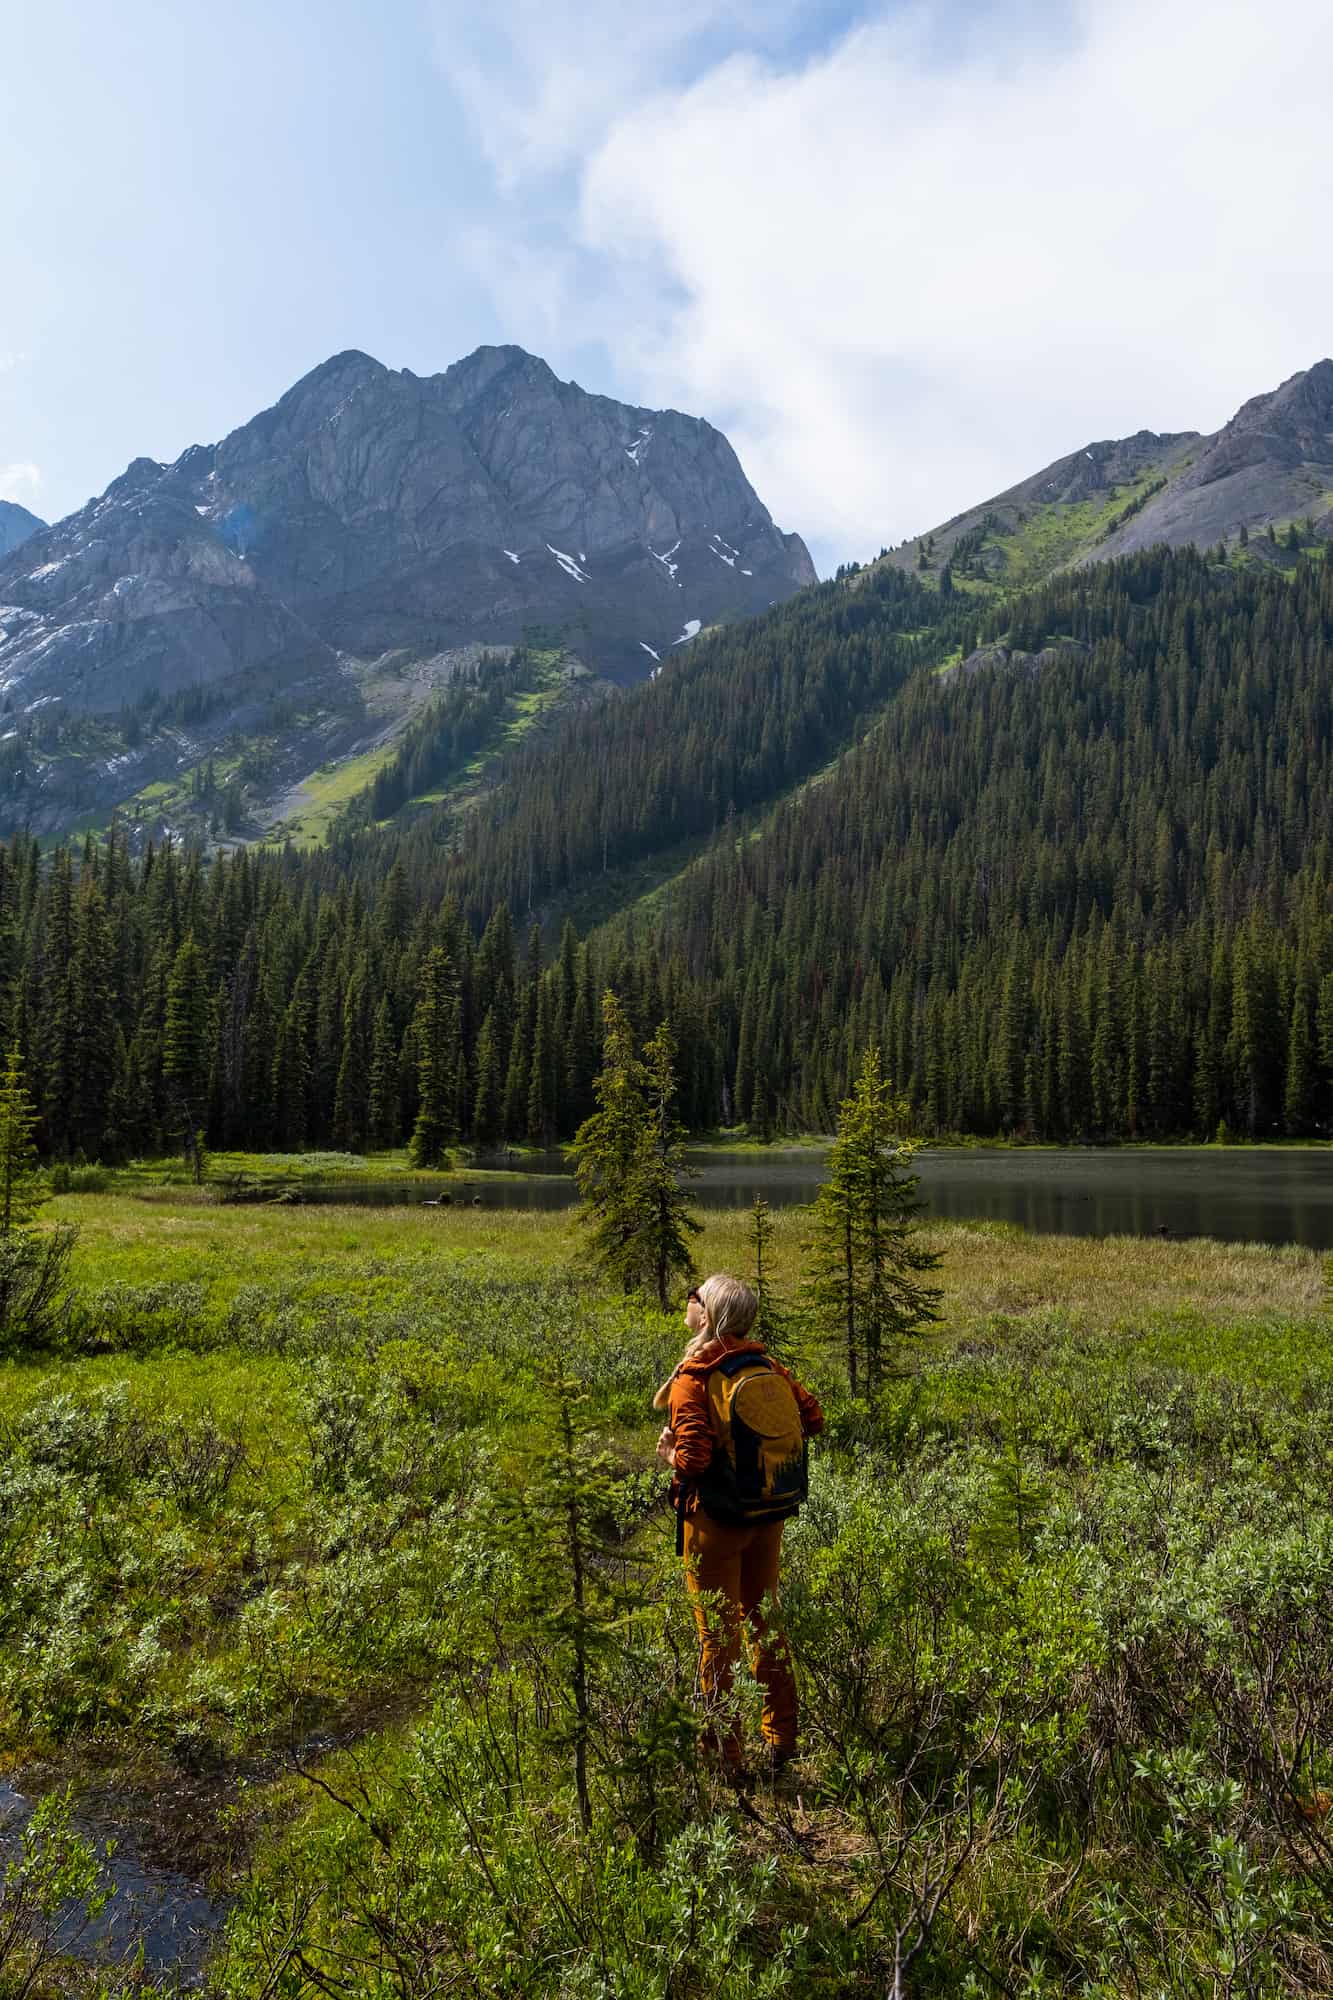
57, 1021
351, 1103
186, 1047
571, 1600
488, 1105
252, 1114
383, 1105
582, 1047
539, 1126
436, 1035
607, 1150
292, 1068
868, 1263
1298, 1102
34, 1263
21, 1186
771, 1321
93, 998
662, 1169
516, 1088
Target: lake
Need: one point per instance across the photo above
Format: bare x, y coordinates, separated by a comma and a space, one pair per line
1266, 1195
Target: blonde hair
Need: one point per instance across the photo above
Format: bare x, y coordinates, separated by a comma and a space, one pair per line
730, 1304
729, 1307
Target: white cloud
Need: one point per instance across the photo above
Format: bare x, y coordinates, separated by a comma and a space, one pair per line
541, 80
9, 360
901, 283
19, 483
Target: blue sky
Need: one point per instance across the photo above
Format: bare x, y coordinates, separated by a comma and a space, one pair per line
903, 255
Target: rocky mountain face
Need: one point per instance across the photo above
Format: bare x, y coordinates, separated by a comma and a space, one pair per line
16, 524
373, 513
1272, 464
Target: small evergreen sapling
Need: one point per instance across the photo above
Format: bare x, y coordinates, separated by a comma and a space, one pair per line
630, 1161
867, 1263
569, 1602
770, 1321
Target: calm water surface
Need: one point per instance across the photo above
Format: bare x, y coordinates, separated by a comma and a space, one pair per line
1275, 1196
150, 1909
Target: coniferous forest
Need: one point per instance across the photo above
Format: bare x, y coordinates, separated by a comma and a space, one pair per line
1066, 859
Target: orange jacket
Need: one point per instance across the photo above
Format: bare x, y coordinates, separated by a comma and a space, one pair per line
693, 1427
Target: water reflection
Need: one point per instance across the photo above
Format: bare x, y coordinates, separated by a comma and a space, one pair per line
1264, 1197
1272, 1196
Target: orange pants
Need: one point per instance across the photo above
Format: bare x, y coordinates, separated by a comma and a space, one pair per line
729, 1572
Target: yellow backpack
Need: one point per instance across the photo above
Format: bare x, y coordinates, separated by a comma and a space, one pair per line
760, 1466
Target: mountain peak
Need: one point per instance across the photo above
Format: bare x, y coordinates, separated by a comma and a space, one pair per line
493, 360
350, 361
332, 378
506, 370
374, 516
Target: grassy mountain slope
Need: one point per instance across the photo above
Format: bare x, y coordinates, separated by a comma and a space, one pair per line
1061, 516
1270, 467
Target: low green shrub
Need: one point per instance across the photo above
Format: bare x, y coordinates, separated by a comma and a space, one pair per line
121, 1318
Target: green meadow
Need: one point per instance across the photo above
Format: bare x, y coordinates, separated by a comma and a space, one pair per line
286, 1576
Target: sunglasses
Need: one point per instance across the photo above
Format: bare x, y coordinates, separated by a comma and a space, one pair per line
693, 1295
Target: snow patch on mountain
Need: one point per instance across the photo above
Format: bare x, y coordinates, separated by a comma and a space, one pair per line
568, 564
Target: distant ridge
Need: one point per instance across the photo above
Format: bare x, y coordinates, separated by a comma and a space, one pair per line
1271, 465
16, 524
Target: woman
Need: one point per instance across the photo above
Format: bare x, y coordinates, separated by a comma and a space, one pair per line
731, 1565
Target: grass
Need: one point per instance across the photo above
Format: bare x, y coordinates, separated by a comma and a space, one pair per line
1156, 1289
1053, 536
338, 785
327, 792
170, 1170
333, 1247
286, 1487
524, 712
